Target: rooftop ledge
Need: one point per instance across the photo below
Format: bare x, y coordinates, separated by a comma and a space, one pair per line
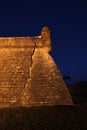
42, 41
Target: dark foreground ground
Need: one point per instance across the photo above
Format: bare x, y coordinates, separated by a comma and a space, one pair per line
44, 118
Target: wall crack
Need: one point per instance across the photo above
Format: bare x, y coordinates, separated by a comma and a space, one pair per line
30, 67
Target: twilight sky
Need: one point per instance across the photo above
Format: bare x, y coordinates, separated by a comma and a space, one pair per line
68, 22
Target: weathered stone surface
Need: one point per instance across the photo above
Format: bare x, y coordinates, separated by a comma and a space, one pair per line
28, 74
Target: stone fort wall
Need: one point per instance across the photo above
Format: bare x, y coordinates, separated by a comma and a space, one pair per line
28, 74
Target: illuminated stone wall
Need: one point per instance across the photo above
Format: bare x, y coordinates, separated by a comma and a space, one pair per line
28, 74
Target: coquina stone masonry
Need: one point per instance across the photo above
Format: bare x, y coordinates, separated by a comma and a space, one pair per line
28, 74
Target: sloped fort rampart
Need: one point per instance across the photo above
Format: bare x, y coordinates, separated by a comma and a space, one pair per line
28, 74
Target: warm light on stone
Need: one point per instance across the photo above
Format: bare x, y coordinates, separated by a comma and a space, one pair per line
28, 74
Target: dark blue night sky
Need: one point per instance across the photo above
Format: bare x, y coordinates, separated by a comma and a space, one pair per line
68, 21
